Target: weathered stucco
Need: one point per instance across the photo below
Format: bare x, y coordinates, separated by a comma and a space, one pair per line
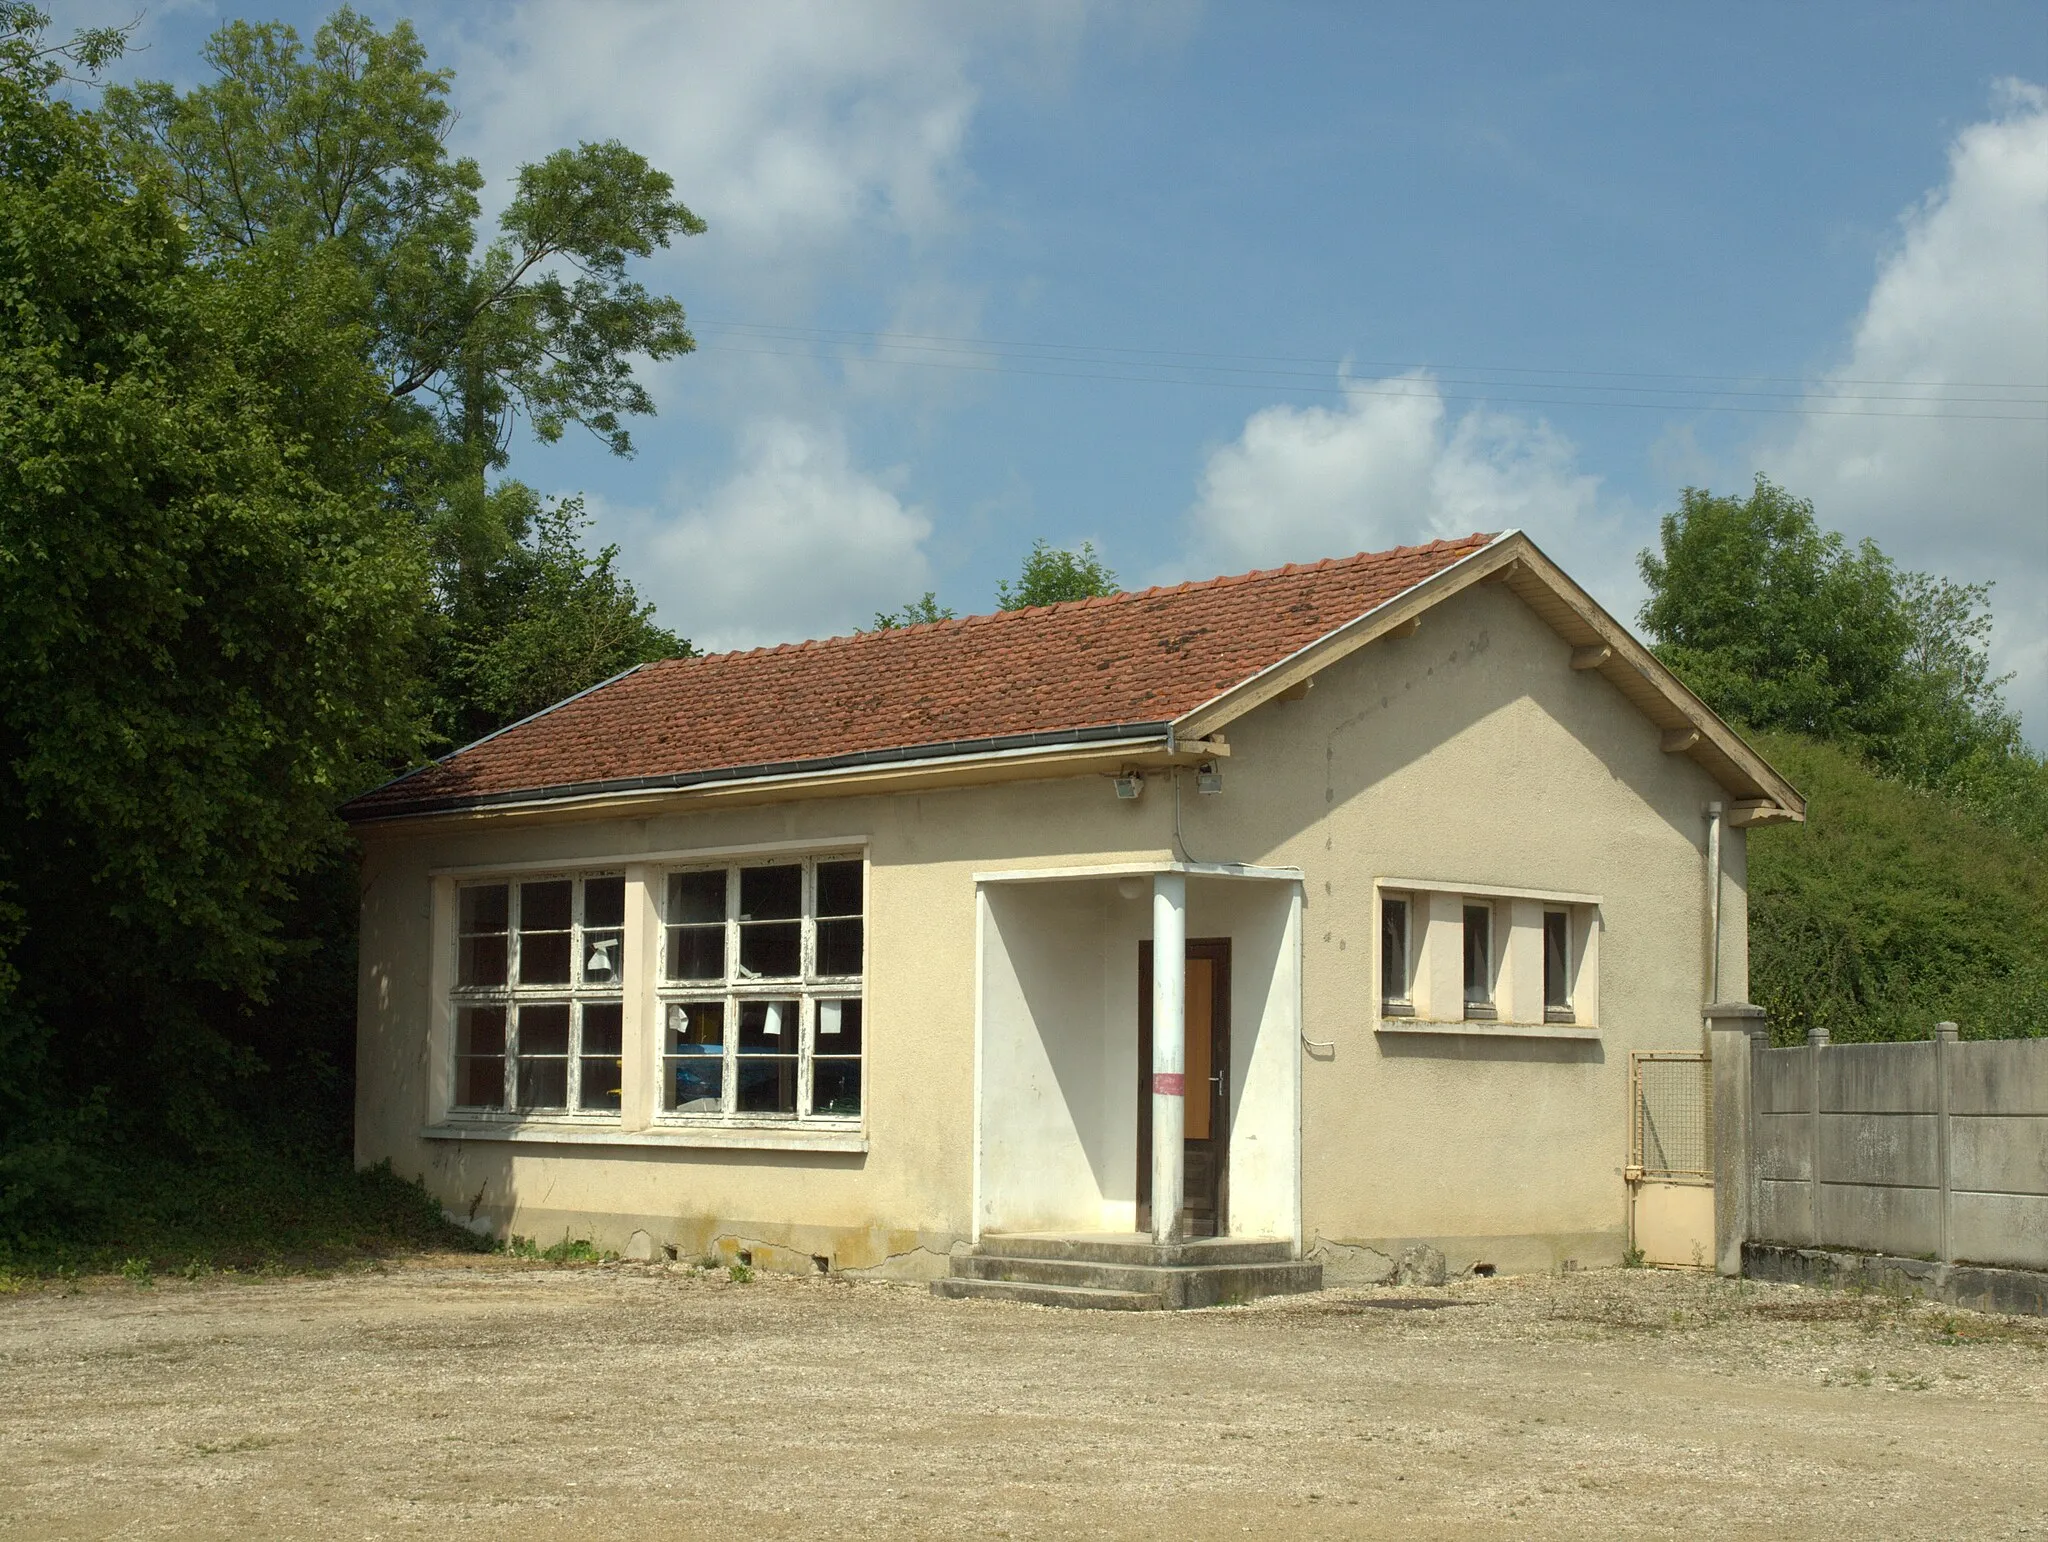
1469, 753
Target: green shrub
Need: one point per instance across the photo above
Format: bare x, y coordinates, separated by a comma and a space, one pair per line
1893, 909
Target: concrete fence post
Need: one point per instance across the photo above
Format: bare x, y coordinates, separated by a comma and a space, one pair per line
1816, 1041
1737, 1033
1734, 1158
1945, 1034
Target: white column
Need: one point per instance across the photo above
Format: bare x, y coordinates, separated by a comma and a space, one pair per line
640, 1019
1169, 1052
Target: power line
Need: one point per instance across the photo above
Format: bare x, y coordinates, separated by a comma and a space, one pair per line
1348, 390
1132, 355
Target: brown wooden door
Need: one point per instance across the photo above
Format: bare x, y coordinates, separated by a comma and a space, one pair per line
1207, 1158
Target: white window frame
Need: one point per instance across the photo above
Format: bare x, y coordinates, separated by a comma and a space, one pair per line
1436, 999
734, 990
515, 996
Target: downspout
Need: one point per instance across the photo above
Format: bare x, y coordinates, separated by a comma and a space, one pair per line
1714, 902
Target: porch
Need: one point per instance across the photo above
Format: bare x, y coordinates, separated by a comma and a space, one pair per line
1138, 1082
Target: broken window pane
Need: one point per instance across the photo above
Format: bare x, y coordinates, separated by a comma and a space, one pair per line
481, 950
768, 1026
480, 1057
696, 952
603, 958
544, 933
696, 896
839, 888
771, 893
770, 950
693, 1057
839, 946
598, 1069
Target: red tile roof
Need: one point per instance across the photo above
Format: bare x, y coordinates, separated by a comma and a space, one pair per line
1128, 659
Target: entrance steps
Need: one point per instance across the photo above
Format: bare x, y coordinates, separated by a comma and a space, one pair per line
1126, 1272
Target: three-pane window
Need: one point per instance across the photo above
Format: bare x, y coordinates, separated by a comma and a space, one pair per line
761, 1000
539, 995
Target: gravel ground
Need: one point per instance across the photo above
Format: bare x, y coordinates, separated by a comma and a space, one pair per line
458, 1398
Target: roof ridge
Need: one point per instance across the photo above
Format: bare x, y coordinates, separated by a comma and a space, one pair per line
1122, 596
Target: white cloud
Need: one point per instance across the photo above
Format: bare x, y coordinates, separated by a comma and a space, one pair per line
792, 126
1962, 302
1387, 467
798, 542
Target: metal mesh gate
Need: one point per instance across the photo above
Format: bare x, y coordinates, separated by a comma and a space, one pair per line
1670, 1118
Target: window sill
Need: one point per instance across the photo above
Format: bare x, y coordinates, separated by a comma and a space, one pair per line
1489, 1030
717, 1137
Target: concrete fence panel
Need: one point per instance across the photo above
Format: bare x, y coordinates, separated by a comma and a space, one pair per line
1935, 1150
1784, 1082
1999, 1076
1877, 1078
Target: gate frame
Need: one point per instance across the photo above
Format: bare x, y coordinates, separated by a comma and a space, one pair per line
1635, 1173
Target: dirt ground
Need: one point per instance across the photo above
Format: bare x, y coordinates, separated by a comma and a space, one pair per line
461, 1398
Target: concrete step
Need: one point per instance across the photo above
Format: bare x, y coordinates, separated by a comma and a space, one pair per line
1175, 1286
1032, 1294
1135, 1248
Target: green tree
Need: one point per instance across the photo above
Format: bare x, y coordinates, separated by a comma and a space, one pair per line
344, 145
542, 623
1782, 625
214, 611
916, 613
1052, 574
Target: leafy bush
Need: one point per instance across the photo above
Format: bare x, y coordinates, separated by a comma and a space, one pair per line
1893, 908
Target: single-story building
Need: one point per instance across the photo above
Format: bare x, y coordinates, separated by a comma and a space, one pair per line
1322, 907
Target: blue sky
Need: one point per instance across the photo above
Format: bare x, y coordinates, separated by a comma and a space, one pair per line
1221, 286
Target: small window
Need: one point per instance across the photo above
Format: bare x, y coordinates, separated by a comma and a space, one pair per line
1395, 997
1479, 961
1557, 966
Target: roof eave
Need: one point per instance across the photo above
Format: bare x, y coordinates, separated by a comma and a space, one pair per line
1069, 752
1512, 557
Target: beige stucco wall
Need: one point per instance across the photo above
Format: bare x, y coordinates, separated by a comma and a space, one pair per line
1469, 753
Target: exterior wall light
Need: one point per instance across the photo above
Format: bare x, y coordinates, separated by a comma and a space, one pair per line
1209, 778
1130, 786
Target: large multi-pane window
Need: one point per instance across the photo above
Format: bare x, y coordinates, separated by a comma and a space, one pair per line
539, 999
761, 990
